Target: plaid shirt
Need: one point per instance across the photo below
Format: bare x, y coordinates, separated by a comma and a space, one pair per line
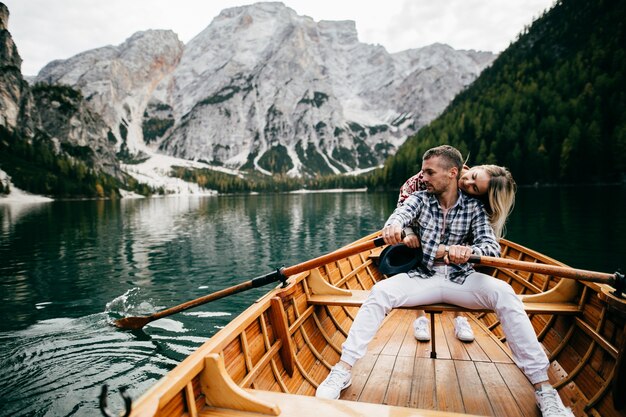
466, 223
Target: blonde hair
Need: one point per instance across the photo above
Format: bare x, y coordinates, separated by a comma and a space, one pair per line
500, 197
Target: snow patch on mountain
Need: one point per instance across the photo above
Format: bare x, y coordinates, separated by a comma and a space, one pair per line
263, 88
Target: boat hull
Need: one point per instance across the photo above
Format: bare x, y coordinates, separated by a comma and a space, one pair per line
270, 359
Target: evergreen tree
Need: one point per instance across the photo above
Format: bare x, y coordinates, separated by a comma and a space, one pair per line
551, 107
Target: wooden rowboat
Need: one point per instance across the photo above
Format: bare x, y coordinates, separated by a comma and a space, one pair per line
270, 359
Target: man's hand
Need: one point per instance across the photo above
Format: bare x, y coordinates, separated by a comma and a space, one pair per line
392, 234
458, 254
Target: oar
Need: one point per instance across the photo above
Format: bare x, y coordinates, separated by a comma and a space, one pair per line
616, 280
134, 323
400, 261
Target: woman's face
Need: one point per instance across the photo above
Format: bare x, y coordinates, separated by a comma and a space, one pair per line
475, 181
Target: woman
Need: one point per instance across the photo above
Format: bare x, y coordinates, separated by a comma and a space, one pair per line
492, 184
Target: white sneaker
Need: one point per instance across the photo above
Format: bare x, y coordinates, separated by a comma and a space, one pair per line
337, 380
550, 403
462, 329
422, 332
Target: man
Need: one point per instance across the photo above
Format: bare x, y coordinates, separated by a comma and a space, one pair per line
448, 220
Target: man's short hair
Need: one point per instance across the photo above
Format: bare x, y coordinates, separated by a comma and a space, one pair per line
451, 157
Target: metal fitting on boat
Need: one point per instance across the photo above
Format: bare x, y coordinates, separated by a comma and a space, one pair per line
128, 402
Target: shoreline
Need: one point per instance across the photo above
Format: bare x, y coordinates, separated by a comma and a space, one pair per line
18, 196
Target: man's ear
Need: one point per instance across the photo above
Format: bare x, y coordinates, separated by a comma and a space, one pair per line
454, 171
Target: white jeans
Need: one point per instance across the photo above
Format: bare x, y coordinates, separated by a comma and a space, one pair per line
478, 291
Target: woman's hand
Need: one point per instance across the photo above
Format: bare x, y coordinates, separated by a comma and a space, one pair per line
412, 241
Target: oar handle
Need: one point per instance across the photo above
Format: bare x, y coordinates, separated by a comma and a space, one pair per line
560, 271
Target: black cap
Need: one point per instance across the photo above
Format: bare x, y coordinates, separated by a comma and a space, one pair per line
395, 259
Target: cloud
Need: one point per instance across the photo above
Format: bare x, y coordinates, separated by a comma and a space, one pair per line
463, 24
45, 30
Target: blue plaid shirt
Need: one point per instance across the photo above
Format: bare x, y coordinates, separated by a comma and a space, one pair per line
466, 223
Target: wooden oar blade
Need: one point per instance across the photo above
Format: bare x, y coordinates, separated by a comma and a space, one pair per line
132, 323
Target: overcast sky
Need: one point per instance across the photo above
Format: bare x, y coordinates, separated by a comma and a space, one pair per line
44, 30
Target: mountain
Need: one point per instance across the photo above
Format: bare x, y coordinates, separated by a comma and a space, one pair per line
267, 90
51, 142
551, 107
118, 81
16, 102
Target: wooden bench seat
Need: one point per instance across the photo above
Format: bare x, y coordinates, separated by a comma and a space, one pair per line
357, 298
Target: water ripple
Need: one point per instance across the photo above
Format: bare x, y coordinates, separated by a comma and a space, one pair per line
70, 359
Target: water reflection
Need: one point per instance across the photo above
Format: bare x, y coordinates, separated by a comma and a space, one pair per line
583, 227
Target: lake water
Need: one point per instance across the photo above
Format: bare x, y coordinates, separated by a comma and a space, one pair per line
68, 268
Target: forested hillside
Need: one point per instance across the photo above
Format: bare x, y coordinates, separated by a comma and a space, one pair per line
552, 107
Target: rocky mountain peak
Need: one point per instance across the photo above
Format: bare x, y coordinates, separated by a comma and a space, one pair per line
266, 89
118, 81
4, 17
15, 99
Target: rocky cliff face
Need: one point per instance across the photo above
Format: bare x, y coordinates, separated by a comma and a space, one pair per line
266, 89
57, 115
16, 102
118, 81
74, 129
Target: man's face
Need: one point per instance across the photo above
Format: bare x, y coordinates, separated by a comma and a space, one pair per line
436, 177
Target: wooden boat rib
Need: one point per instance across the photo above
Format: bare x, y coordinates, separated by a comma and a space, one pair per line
270, 359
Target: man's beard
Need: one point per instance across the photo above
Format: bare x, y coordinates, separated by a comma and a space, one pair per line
431, 190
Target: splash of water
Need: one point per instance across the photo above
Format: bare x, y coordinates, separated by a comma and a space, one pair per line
130, 304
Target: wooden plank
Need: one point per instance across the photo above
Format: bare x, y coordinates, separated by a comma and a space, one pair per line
360, 373
423, 390
385, 332
502, 401
281, 330
376, 386
456, 347
522, 390
474, 349
448, 393
404, 318
399, 390
475, 399
409, 344
358, 297
190, 400
492, 347
441, 341
422, 349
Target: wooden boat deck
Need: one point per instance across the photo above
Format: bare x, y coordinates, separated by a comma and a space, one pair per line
474, 378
